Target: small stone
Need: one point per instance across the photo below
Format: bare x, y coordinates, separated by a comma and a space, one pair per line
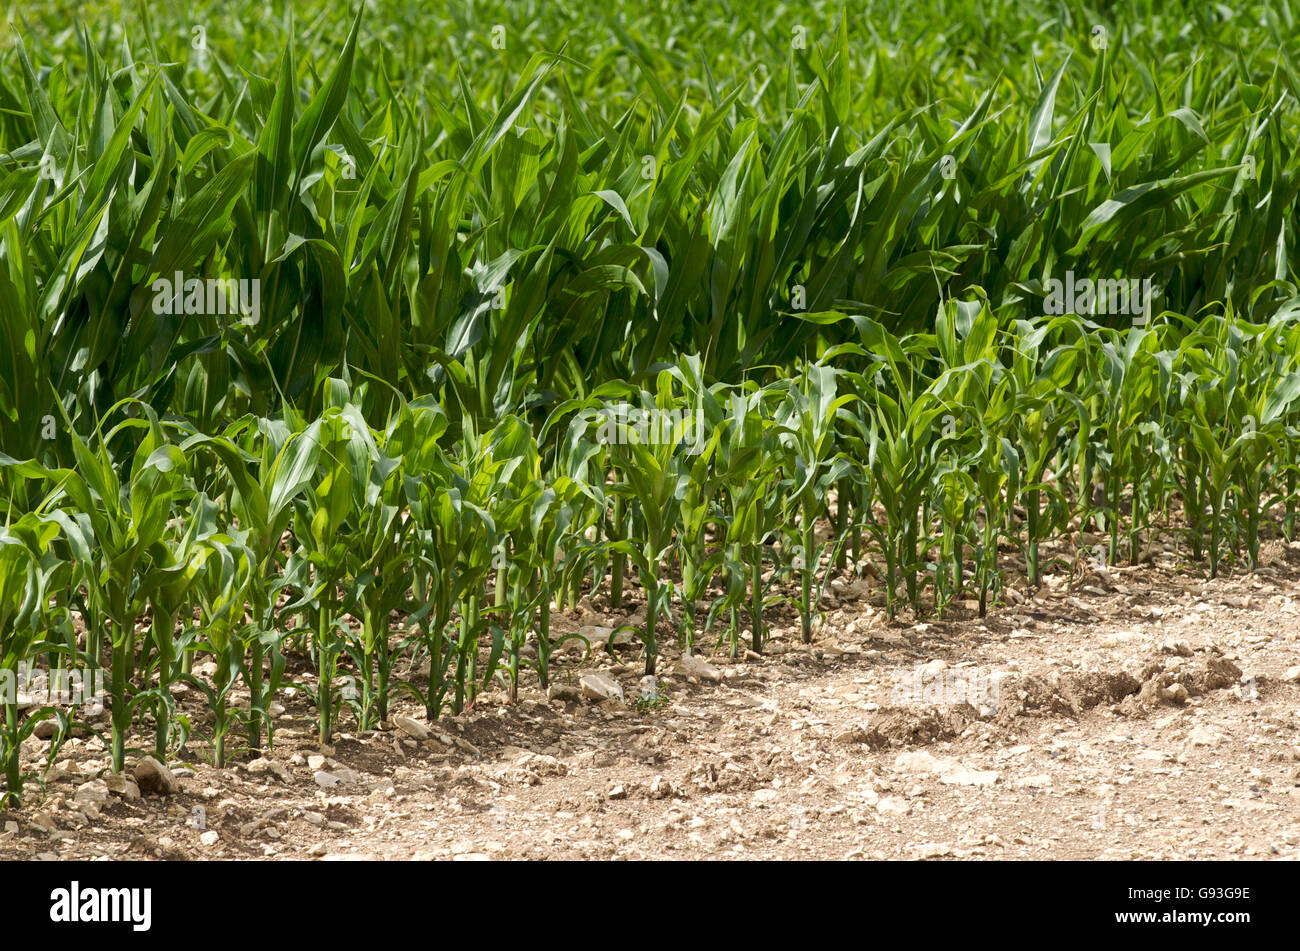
688, 665
46, 729
412, 727
210, 838
893, 806
1200, 736
94, 791
970, 777
1041, 781
661, 788
259, 766
1176, 693
122, 786
1292, 675
933, 850
155, 779
315, 761
326, 780
1171, 646
600, 687
854, 734
599, 636
617, 792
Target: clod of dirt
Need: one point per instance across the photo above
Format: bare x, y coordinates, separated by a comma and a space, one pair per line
1074, 694
564, 693
911, 728
1162, 686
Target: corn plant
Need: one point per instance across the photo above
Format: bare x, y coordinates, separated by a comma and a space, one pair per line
748, 467
807, 415
24, 574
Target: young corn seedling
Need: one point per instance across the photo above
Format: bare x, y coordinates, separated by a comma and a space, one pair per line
221, 586
748, 464
380, 574
654, 479
266, 468
119, 530
24, 571
808, 415
320, 521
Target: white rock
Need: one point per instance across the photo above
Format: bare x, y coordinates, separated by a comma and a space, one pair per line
412, 727
1292, 675
893, 806
326, 780
689, 665
601, 687
970, 777
920, 761
599, 636
1041, 781
94, 791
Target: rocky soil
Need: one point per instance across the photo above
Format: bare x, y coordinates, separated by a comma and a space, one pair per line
1117, 714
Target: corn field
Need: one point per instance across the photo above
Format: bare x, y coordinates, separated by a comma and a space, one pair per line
336, 344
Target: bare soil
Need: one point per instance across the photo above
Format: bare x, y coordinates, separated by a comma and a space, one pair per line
1123, 713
